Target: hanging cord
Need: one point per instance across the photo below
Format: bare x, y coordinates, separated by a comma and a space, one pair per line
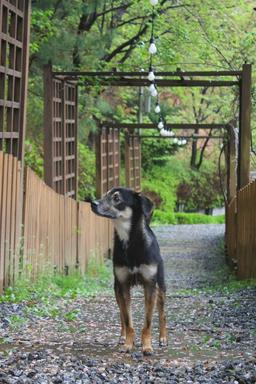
219, 171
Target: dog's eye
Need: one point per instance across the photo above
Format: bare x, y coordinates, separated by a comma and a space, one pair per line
116, 198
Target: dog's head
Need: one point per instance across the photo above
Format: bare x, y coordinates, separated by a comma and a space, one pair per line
123, 203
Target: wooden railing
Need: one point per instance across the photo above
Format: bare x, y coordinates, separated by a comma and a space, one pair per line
58, 233
241, 231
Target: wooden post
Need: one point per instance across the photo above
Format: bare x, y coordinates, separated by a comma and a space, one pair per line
127, 161
48, 115
231, 164
98, 165
245, 127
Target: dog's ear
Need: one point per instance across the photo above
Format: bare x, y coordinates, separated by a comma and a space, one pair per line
146, 205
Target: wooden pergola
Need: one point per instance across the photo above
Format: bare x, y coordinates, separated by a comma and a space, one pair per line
240, 79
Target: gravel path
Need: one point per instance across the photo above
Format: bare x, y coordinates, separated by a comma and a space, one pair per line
212, 332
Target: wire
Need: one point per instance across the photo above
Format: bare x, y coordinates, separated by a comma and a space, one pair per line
219, 171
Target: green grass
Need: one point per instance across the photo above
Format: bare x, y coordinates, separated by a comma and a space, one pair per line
49, 285
161, 218
230, 286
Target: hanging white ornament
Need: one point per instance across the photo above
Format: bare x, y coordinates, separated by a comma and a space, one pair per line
160, 125
151, 87
157, 109
152, 48
179, 142
184, 142
153, 2
151, 76
171, 133
154, 92
175, 140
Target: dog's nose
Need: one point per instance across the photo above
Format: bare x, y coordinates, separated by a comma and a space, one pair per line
94, 204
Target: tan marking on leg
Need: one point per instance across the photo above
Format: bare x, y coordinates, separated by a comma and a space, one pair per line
150, 299
123, 331
124, 301
162, 318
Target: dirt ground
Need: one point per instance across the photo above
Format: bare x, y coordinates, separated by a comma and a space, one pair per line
211, 322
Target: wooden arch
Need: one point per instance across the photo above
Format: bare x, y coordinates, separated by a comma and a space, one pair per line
241, 79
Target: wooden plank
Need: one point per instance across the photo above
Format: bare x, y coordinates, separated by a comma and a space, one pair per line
8, 222
245, 127
48, 134
24, 80
1, 221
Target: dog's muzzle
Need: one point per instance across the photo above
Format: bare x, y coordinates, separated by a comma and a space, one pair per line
94, 206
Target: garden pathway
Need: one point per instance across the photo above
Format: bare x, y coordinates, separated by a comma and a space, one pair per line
211, 320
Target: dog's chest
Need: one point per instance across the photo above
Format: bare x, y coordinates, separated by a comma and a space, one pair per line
146, 271
123, 228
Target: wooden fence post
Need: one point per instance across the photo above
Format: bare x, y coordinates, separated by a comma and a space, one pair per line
245, 127
48, 148
231, 164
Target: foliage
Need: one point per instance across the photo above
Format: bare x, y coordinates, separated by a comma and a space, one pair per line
102, 35
163, 217
86, 172
49, 286
197, 218
203, 189
34, 157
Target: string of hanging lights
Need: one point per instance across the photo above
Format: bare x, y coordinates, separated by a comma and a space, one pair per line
153, 86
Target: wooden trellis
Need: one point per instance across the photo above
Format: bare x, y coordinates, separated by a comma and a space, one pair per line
107, 160
14, 44
133, 162
60, 144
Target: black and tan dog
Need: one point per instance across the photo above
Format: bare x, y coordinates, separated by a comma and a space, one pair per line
136, 260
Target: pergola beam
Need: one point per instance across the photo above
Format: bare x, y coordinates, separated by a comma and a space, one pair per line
175, 136
76, 74
167, 125
129, 82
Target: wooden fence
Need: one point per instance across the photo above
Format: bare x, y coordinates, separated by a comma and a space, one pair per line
241, 231
10, 218
59, 233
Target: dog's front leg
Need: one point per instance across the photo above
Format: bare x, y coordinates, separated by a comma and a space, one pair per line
150, 299
123, 298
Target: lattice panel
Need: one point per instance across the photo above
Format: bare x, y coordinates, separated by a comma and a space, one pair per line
107, 160
133, 162
14, 27
60, 135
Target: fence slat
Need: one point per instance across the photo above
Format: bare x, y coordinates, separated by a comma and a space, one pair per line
241, 231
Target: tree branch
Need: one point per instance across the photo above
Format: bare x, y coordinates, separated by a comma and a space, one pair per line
127, 43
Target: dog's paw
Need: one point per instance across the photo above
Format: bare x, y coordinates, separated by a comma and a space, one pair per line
122, 340
126, 348
163, 342
147, 351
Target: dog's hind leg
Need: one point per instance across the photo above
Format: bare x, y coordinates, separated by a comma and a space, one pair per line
150, 299
162, 317
123, 298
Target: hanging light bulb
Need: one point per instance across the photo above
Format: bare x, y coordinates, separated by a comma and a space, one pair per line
160, 125
152, 48
175, 140
153, 2
171, 133
154, 92
184, 142
179, 142
151, 76
157, 108
151, 87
